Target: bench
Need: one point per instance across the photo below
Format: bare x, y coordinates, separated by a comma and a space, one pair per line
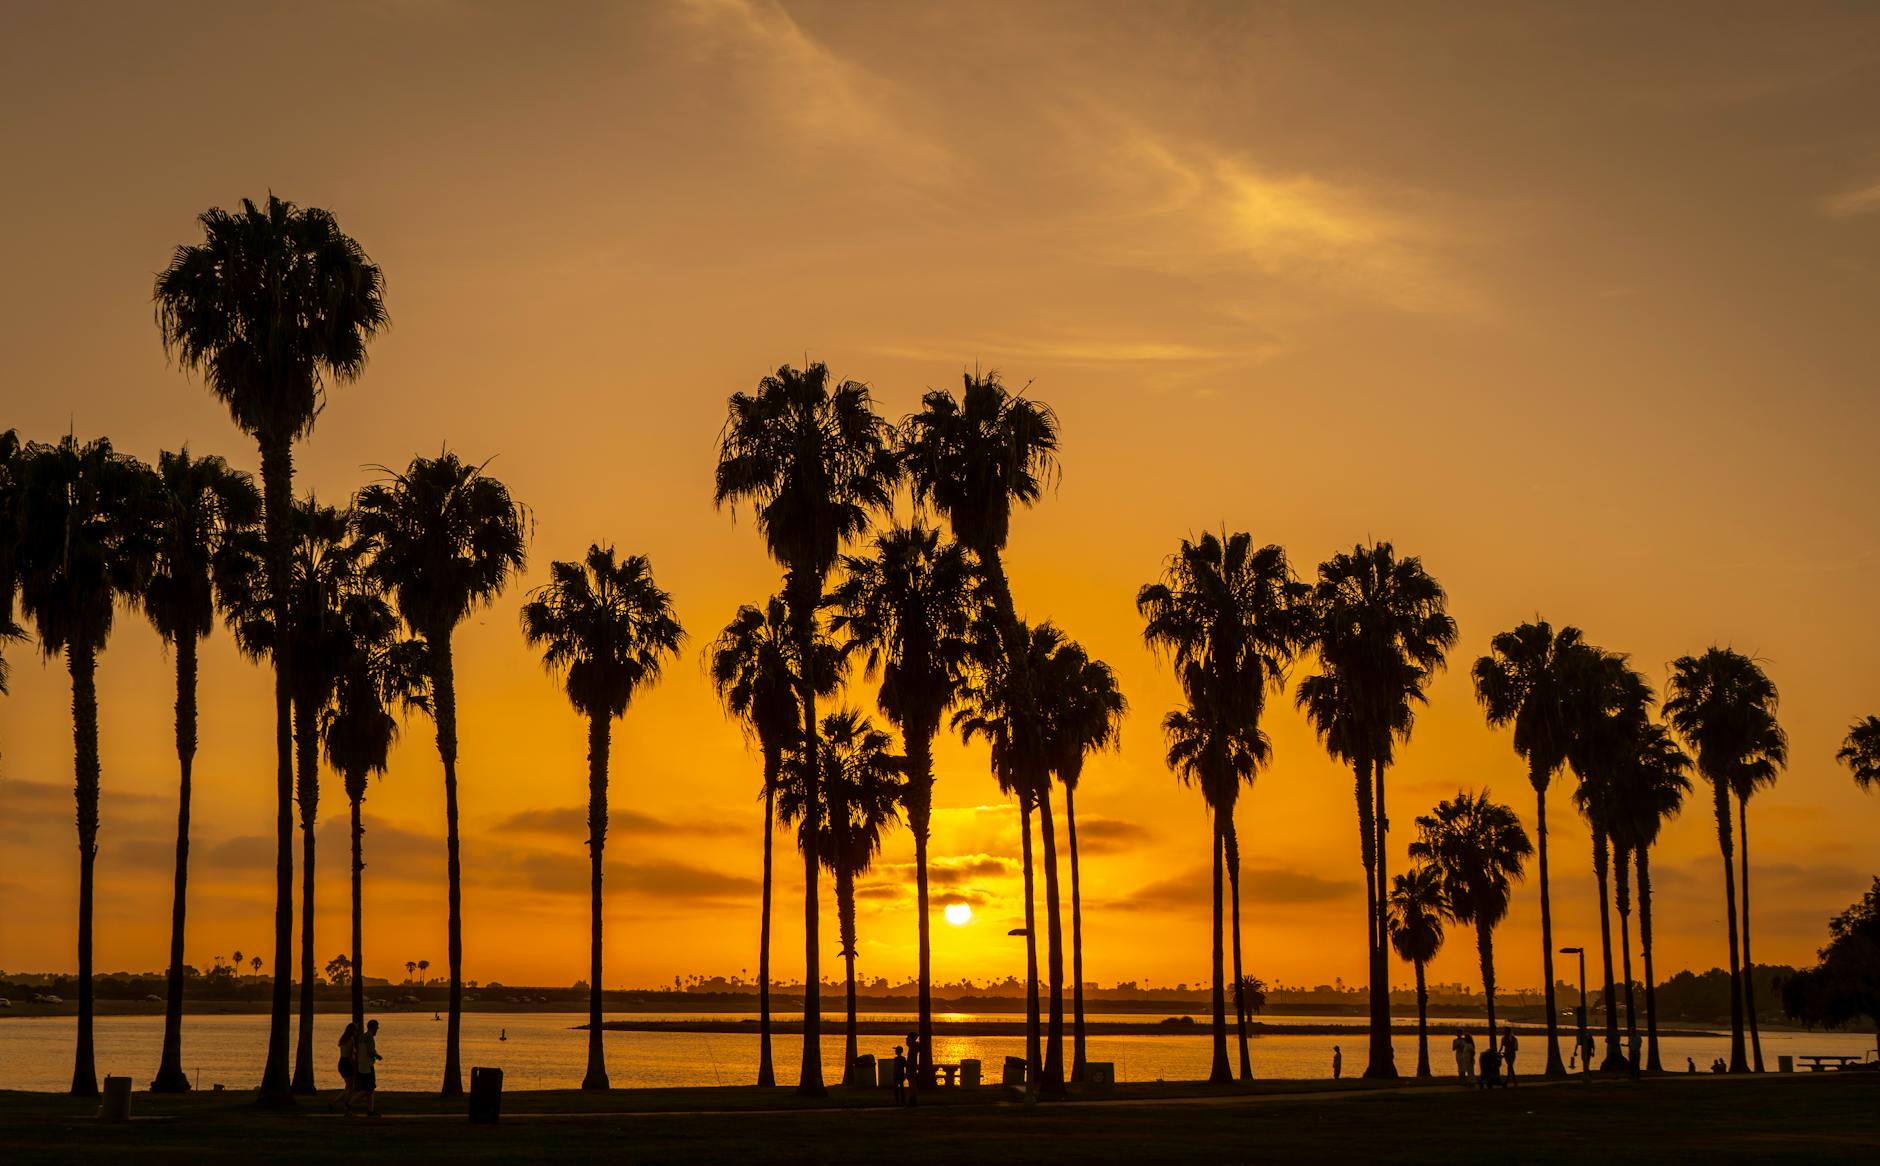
1818, 1062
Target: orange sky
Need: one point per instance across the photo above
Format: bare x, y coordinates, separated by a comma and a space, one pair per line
1575, 303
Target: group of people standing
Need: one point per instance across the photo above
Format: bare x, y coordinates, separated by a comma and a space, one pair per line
1494, 1061
358, 1065
907, 1071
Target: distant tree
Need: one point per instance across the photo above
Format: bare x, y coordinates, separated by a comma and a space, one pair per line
606, 629
1250, 996
339, 971
255, 963
423, 967
1845, 985
411, 970
1416, 933
1479, 850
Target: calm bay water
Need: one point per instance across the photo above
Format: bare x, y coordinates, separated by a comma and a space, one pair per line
547, 1051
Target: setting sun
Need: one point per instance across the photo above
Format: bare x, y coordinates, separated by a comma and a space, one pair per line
959, 914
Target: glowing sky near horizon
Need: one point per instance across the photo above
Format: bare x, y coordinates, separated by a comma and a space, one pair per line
1574, 302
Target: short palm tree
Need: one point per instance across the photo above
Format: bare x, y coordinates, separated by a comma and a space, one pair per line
87, 539
753, 665
203, 508
1723, 705
909, 606
1478, 849
273, 305
1530, 680
1769, 753
1087, 716
606, 629
1231, 616
446, 539
1860, 752
855, 802
1416, 934
814, 461
1381, 629
1651, 793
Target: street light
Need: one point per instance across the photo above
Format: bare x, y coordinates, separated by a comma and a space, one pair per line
1031, 1070
1586, 1061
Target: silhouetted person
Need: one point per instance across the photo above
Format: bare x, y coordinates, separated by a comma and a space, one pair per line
1717, 1066
915, 1056
900, 1076
348, 1066
1491, 1064
365, 1072
1509, 1047
1464, 1051
1690, 1064
1338, 1062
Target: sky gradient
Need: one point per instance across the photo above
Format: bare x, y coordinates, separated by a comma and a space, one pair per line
1574, 302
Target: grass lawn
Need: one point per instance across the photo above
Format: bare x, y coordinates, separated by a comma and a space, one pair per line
1824, 1117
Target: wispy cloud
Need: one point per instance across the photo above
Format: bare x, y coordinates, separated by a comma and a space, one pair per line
1854, 202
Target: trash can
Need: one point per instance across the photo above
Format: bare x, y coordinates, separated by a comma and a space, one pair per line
1014, 1077
486, 1095
969, 1073
117, 1099
1785, 1064
862, 1072
1099, 1077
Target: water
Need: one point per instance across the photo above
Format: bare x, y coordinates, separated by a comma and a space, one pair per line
547, 1051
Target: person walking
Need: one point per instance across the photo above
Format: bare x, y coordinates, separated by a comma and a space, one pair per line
365, 1067
1338, 1062
348, 1066
1509, 1046
900, 1076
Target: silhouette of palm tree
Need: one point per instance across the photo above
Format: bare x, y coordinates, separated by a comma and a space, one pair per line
271, 306
203, 508
9, 529
909, 605
423, 967
606, 629
814, 461
1416, 934
411, 970
1769, 754
857, 798
1650, 793
1231, 617
1086, 715
87, 539
446, 539
1381, 629
255, 963
1478, 849
974, 459
1860, 752
1531, 679
1723, 705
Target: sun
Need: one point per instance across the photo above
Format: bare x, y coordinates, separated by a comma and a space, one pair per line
959, 914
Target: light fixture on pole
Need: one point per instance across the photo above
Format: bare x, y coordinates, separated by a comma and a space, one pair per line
1585, 1045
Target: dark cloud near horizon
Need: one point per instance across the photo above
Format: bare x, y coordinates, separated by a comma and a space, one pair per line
566, 820
1282, 886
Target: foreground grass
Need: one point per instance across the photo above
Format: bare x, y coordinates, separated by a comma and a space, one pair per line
1811, 1117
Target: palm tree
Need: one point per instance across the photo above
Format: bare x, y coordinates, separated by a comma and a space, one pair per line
606, 629
814, 461
1651, 793
1861, 753
754, 667
910, 607
202, 508
9, 538
275, 303
1086, 716
374, 672
87, 539
411, 970
857, 798
1231, 617
1478, 849
1769, 751
1381, 629
423, 967
1530, 679
446, 539
1723, 705
1416, 934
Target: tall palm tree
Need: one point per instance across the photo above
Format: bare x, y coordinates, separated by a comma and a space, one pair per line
1769, 751
1231, 616
1478, 849
857, 798
1531, 680
202, 509
1416, 934
1651, 793
446, 540
1860, 752
1087, 717
909, 606
606, 629
1723, 705
753, 665
1381, 629
87, 539
274, 304
814, 461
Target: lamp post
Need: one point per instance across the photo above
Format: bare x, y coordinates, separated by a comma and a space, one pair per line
1586, 1062
1031, 1070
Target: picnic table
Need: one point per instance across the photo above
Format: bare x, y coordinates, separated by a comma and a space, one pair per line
1818, 1062
951, 1072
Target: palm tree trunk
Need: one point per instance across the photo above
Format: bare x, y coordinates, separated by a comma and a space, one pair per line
1034, 1061
1624, 885
1721, 798
773, 765
444, 695
357, 781
1367, 834
810, 1077
82, 663
600, 731
170, 1075
1749, 962
919, 746
1077, 943
1233, 882
1485, 951
277, 483
1383, 1058
1613, 1059
845, 922
307, 751
1555, 1066
1423, 1024
1219, 1073
1652, 1062
1053, 1080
